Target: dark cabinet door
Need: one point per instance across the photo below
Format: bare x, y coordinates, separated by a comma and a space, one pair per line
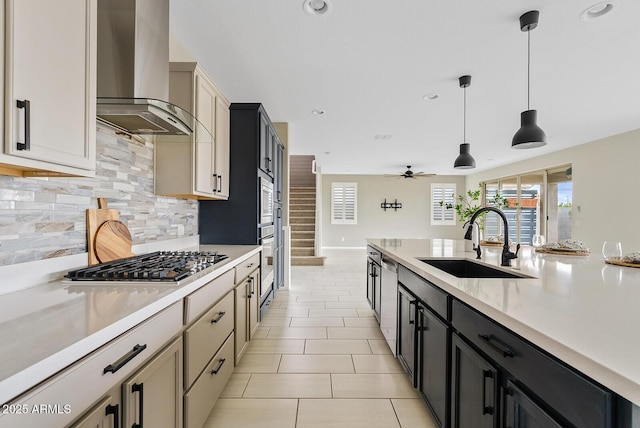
377, 287
278, 170
474, 394
370, 279
522, 412
407, 332
266, 146
434, 340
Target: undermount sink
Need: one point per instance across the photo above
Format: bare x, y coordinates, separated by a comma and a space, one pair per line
464, 268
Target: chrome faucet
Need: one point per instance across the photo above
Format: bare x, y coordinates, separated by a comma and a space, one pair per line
507, 255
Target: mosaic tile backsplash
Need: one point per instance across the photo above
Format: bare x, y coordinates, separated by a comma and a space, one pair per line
46, 217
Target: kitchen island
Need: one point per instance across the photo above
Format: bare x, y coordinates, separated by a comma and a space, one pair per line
46, 328
576, 309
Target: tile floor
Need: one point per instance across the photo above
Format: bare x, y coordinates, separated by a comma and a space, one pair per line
320, 360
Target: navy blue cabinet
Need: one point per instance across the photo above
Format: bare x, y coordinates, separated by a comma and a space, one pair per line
253, 213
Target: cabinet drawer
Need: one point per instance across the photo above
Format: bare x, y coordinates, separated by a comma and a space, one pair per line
572, 395
246, 267
88, 378
374, 254
200, 300
205, 336
435, 298
201, 398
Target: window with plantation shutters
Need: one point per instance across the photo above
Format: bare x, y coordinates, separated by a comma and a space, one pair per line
344, 198
443, 199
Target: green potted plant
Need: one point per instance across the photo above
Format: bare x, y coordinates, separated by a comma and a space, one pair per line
467, 204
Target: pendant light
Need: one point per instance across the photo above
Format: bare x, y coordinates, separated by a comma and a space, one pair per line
464, 159
530, 135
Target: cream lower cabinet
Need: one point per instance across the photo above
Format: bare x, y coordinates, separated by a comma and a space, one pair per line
105, 414
208, 347
153, 396
195, 166
50, 85
77, 394
247, 303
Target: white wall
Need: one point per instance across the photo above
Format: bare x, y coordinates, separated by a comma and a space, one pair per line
411, 221
178, 52
606, 182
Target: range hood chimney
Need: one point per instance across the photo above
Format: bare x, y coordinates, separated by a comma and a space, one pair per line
133, 69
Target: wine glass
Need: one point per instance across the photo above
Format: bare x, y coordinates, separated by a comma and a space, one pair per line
538, 241
611, 250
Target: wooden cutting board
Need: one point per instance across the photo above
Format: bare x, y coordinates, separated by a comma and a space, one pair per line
113, 241
95, 218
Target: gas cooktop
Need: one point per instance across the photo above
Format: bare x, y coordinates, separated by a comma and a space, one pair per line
164, 266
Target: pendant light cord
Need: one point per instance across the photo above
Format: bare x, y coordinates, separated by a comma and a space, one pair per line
464, 117
528, 67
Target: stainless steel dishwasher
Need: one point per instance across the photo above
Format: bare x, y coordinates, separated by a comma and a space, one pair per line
389, 301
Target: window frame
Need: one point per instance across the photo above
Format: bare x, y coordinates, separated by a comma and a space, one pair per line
435, 204
345, 203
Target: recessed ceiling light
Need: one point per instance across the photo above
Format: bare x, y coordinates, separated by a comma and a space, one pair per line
317, 7
382, 137
431, 96
598, 10
318, 112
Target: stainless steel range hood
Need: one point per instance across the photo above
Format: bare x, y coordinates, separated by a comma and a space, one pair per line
133, 69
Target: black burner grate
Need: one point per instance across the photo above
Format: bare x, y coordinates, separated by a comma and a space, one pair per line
158, 266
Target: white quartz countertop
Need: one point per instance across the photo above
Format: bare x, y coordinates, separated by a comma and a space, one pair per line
47, 327
577, 308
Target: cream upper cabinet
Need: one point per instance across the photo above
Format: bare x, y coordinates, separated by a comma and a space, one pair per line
50, 88
196, 166
222, 147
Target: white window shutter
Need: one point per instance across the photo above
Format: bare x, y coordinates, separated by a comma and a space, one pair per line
440, 214
344, 201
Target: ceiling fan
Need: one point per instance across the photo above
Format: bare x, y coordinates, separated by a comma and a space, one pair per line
410, 174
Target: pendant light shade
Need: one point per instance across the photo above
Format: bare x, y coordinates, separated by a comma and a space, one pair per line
464, 159
530, 135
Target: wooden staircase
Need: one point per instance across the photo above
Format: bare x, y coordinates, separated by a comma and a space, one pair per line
302, 219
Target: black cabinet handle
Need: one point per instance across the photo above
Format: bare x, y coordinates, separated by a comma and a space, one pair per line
115, 411
112, 368
412, 321
26, 105
220, 364
486, 410
219, 188
497, 345
424, 321
251, 287
139, 388
218, 318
